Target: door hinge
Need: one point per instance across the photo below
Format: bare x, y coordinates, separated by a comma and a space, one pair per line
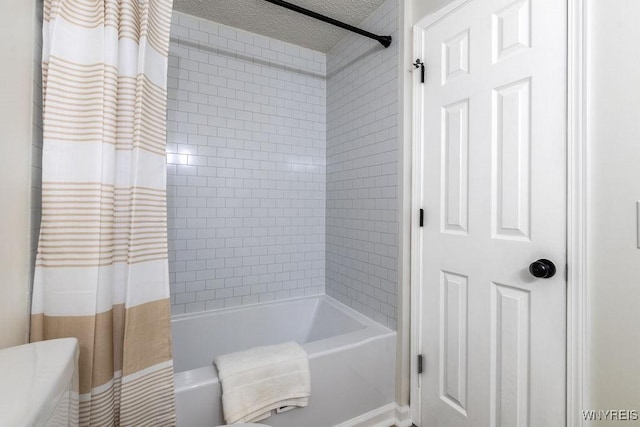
421, 217
420, 359
420, 64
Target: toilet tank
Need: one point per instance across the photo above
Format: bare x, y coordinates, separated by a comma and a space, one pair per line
39, 384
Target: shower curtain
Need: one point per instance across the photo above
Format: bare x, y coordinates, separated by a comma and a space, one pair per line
101, 270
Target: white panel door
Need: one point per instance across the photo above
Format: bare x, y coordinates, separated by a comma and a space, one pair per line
492, 182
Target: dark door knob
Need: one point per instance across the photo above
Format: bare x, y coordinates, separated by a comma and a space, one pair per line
542, 268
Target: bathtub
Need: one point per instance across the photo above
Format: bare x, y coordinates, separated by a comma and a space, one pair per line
352, 359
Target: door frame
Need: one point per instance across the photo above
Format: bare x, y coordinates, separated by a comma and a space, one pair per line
577, 363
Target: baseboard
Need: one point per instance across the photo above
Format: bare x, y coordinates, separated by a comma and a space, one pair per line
403, 416
384, 416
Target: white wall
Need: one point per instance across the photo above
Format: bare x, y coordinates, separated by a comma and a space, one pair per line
613, 94
421, 8
17, 34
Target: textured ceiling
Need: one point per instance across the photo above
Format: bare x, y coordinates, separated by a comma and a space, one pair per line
261, 17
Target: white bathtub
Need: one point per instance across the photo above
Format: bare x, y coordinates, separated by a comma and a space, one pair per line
352, 359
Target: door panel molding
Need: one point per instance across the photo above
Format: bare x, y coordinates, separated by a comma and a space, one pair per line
510, 334
453, 339
511, 134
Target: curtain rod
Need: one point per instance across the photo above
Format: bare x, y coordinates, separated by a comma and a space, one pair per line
383, 40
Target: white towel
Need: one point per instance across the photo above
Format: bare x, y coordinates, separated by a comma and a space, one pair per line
261, 379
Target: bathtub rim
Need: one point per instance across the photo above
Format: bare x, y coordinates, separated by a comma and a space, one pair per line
371, 331
320, 297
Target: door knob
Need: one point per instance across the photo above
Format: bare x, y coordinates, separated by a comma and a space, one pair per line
542, 268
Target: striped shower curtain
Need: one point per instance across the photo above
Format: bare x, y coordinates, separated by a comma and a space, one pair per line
101, 270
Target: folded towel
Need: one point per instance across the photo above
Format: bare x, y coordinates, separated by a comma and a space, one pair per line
261, 379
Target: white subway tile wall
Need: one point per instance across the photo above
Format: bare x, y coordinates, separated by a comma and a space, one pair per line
245, 167
362, 170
